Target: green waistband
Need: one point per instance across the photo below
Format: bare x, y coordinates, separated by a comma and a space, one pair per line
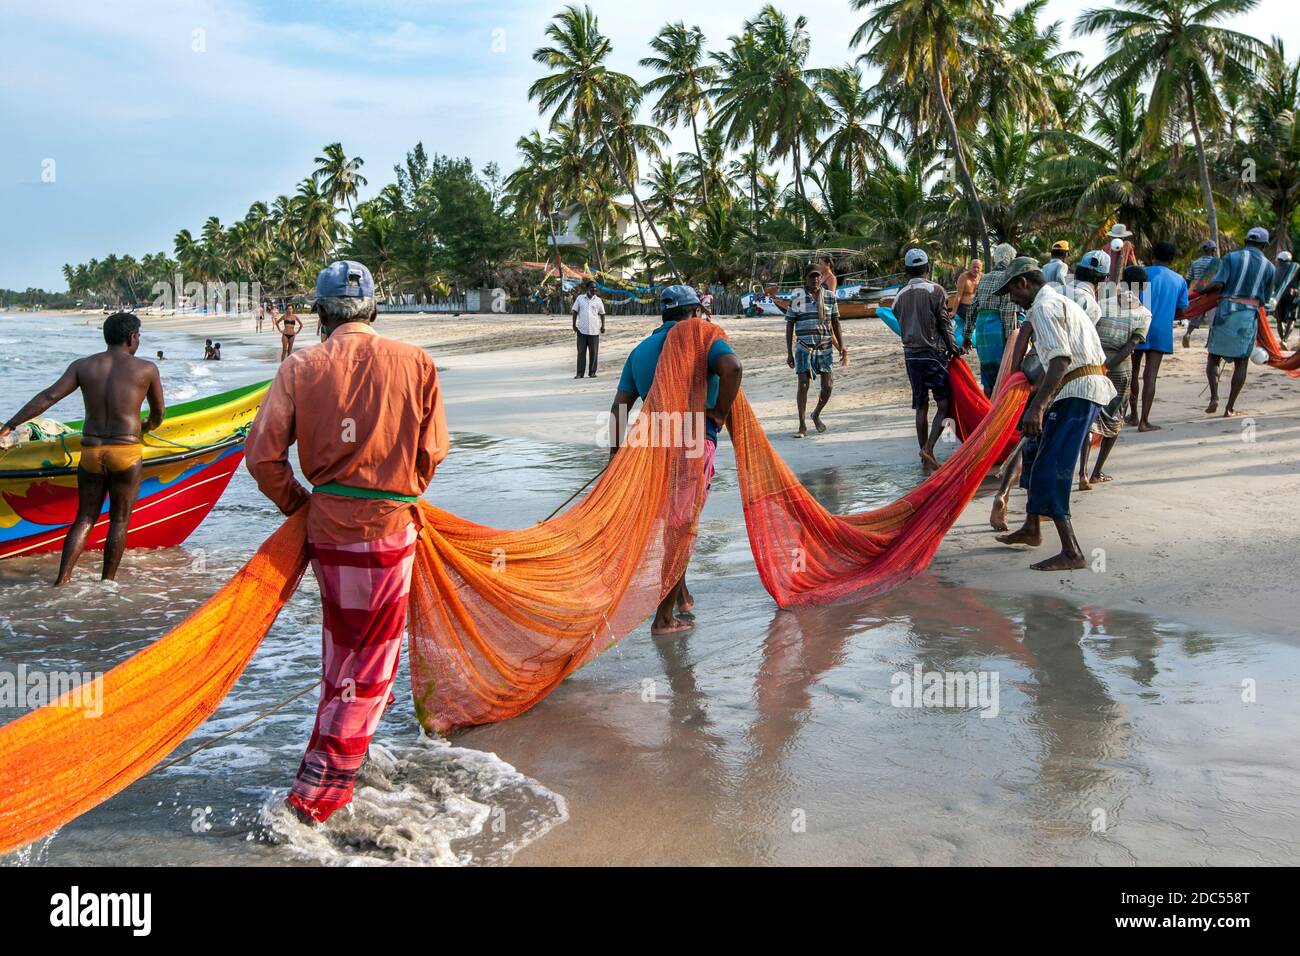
347, 491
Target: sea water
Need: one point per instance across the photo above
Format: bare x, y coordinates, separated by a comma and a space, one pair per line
827, 735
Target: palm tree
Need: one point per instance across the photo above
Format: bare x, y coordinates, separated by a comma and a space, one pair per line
337, 175
1020, 69
585, 92
928, 42
1275, 138
1112, 175
668, 189
794, 113
683, 80
852, 140
1176, 45
741, 102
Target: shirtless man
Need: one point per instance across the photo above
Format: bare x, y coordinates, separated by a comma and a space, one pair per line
114, 384
966, 283
289, 328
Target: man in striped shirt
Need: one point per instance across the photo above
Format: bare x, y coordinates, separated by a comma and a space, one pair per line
1201, 271
812, 327
1244, 282
1074, 387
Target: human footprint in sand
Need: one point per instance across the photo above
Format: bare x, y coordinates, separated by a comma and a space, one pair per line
1073, 387
812, 327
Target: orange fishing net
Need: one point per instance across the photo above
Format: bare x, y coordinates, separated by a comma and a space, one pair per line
499, 618
1267, 340
1265, 337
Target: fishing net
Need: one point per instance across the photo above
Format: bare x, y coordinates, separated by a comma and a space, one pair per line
1265, 337
498, 618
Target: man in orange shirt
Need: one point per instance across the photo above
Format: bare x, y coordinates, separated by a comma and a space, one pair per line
370, 433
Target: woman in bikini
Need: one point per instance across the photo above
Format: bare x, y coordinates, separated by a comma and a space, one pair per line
289, 328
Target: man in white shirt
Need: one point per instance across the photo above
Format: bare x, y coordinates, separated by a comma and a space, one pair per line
588, 323
1074, 387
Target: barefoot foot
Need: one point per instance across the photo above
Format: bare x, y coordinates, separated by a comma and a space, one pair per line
998, 516
1213, 407
675, 626
1148, 427
818, 423
1062, 562
1021, 537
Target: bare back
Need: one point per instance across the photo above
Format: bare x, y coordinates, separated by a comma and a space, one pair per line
114, 385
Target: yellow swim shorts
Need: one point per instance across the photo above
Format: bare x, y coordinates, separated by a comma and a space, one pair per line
105, 459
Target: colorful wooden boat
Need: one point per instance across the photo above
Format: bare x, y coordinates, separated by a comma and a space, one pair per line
188, 462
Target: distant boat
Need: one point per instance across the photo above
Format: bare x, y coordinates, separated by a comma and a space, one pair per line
188, 462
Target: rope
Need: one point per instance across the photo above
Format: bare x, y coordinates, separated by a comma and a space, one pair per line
230, 733
575, 494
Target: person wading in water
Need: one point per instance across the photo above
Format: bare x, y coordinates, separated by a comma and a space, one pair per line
367, 416
114, 384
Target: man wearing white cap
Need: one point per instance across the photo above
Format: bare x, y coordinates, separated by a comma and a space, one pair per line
1244, 282
928, 345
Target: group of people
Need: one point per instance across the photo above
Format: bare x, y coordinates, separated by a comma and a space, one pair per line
1092, 340
211, 351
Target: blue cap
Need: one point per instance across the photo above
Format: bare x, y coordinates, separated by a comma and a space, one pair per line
915, 257
1257, 234
677, 295
344, 278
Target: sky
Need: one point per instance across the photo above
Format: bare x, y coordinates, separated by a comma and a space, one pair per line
122, 123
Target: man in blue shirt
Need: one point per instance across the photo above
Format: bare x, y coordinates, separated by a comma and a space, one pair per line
676, 303
1165, 295
1244, 282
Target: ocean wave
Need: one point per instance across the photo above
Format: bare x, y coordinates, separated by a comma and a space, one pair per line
430, 804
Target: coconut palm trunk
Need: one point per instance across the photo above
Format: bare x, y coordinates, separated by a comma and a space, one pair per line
1207, 190
950, 121
699, 154
636, 201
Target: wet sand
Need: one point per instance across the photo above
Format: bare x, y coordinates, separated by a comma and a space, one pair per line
1121, 737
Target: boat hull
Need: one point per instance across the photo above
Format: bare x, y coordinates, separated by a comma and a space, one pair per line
188, 462
174, 499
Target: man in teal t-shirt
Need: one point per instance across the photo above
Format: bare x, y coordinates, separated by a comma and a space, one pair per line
677, 302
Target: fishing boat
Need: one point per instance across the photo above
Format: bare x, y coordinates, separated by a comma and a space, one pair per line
188, 461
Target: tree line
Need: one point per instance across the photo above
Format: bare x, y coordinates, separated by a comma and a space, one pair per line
982, 127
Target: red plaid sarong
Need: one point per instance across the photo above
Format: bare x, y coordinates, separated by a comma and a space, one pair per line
364, 589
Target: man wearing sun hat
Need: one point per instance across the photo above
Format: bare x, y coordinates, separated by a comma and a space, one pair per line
366, 414
1122, 252
1072, 390
1055, 269
1244, 282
